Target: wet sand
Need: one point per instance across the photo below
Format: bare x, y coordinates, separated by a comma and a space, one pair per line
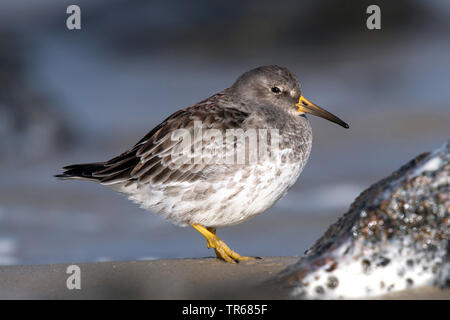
204, 278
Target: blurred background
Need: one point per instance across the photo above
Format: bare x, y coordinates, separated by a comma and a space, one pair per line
82, 96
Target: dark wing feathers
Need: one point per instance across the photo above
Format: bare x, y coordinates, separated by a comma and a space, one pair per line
81, 171
150, 160
120, 166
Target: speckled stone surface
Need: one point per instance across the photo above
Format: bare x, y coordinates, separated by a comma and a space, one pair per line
394, 237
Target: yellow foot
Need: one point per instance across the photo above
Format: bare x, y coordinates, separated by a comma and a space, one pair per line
222, 250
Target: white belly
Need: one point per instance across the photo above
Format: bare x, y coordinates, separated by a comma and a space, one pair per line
225, 202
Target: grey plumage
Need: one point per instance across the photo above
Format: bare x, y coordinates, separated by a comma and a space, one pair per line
211, 193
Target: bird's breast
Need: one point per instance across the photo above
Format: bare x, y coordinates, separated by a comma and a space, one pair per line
292, 132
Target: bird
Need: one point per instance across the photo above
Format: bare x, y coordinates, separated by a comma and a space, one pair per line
221, 161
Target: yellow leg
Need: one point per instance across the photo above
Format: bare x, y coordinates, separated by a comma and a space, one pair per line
213, 231
221, 249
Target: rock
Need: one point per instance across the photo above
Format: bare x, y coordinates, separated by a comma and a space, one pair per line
395, 236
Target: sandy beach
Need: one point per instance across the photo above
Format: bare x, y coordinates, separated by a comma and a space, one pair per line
203, 278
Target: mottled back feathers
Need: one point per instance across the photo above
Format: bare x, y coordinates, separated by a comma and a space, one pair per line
151, 159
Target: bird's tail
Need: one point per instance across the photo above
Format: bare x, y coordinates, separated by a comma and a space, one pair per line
114, 171
83, 171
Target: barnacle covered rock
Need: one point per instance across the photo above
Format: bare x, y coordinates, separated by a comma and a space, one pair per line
395, 236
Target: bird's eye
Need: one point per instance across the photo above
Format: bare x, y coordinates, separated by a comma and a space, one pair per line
276, 90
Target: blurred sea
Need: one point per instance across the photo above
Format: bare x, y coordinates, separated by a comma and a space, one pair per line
394, 94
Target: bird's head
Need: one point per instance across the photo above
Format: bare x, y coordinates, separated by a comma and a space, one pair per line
277, 86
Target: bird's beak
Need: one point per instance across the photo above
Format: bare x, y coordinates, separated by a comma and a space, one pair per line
305, 106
